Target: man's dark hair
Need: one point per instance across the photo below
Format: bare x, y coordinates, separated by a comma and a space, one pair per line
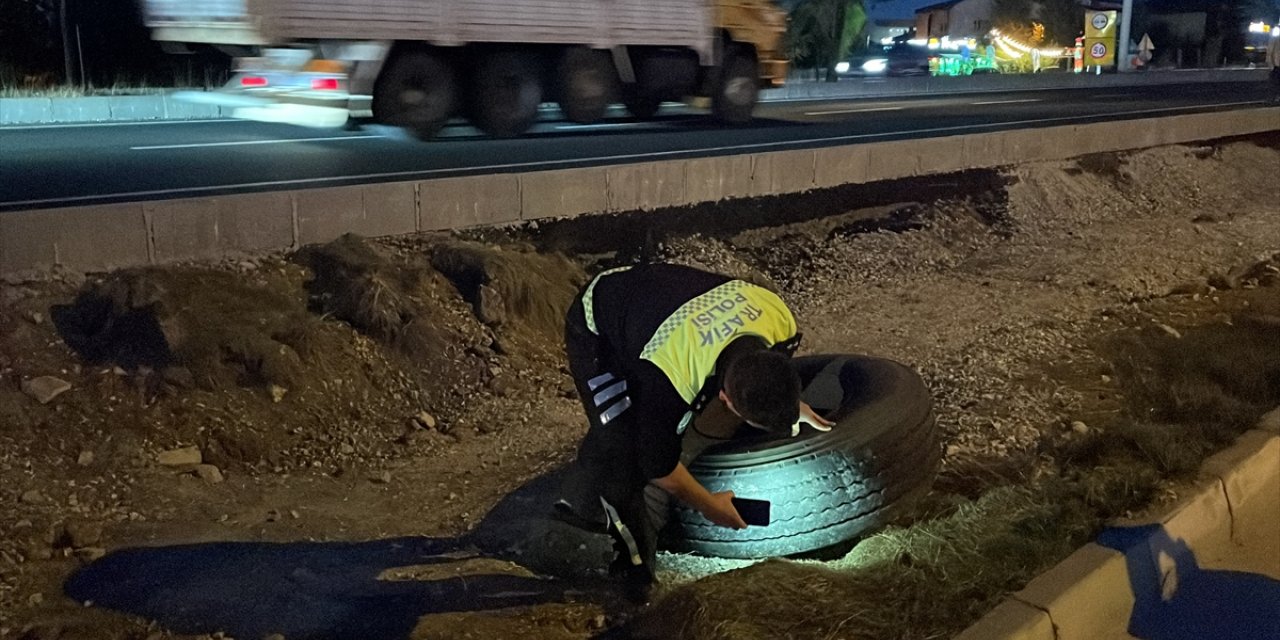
764, 389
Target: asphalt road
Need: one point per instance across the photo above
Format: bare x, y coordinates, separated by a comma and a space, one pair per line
61, 165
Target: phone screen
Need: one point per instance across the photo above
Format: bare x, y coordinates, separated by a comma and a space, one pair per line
753, 512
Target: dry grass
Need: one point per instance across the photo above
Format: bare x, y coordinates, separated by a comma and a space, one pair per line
535, 290
388, 299
223, 330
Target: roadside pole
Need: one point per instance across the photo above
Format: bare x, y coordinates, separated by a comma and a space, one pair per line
1122, 48
66, 43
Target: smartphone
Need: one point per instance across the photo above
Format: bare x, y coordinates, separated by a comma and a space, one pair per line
753, 512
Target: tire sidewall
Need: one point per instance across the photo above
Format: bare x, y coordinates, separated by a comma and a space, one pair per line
826, 487
506, 93
418, 92
738, 89
588, 85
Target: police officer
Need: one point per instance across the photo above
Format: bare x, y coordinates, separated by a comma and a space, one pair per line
667, 360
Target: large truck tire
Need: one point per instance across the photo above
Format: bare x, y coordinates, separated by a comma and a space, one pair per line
738, 88
825, 488
588, 84
506, 92
418, 92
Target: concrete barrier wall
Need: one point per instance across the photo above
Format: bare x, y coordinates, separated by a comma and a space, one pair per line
34, 111
107, 236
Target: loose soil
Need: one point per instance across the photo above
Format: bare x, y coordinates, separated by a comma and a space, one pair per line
1090, 331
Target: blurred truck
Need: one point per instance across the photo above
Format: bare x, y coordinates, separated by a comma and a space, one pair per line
417, 63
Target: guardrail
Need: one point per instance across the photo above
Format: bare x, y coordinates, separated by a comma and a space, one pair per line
162, 107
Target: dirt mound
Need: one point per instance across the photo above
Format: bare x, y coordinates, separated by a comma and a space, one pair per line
390, 300
512, 287
213, 327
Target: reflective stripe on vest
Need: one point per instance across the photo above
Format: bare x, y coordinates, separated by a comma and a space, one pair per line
588, 302
688, 343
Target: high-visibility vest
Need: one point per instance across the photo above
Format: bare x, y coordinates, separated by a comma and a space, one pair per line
688, 343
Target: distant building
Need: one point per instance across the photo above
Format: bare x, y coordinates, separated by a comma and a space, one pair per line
884, 30
955, 19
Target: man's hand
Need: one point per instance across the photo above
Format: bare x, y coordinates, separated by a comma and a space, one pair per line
716, 507
808, 415
721, 511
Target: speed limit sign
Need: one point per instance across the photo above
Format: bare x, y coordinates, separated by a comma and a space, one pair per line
1098, 51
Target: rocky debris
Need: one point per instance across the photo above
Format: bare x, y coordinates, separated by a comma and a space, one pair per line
1170, 331
90, 554
83, 533
425, 420
33, 497
502, 385
1263, 271
45, 388
489, 306
180, 377
274, 636
35, 317
209, 473
1079, 428
85, 458
277, 393
381, 478
181, 457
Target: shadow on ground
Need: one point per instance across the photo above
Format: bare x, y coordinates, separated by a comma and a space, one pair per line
339, 590
1176, 599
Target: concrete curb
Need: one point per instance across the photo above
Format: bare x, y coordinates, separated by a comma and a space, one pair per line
1083, 596
99, 237
101, 109
163, 107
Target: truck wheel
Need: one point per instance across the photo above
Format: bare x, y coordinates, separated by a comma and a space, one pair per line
588, 84
738, 89
417, 92
505, 94
825, 488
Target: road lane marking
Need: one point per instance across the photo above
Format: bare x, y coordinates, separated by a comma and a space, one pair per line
80, 125
240, 143
425, 173
862, 110
1007, 101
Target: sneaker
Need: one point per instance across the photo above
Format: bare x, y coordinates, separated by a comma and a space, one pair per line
637, 580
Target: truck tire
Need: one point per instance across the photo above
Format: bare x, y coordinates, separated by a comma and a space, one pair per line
738, 88
418, 91
825, 488
506, 91
588, 84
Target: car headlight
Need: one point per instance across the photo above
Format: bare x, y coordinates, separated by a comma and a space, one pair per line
875, 65
842, 67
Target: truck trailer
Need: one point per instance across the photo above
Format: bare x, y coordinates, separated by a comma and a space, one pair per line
418, 63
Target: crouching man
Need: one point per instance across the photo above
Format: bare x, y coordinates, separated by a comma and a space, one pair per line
668, 359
